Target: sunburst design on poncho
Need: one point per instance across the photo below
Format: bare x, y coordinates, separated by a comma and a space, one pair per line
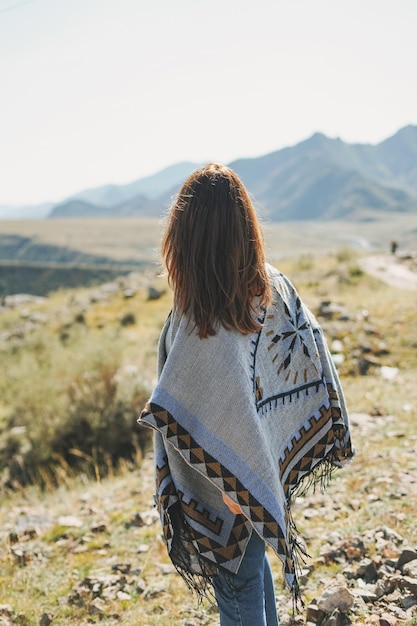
283, 343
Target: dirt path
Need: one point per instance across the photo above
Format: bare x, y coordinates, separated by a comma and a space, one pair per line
391, 270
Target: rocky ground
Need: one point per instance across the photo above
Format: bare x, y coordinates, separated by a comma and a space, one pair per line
376, 569
108, 539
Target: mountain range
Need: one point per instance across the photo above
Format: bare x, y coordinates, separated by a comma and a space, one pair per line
329, 179
319, 178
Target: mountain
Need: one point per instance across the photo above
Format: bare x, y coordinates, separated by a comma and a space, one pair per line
29, 212
78, 208
318, 178
399, 154
139, 205
329, 179
150, 186
143, 197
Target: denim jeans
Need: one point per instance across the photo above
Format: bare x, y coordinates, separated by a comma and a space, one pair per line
248, 597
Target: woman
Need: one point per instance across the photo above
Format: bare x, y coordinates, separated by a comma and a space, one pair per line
248, 402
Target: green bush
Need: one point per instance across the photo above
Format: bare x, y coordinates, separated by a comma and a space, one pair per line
70, 410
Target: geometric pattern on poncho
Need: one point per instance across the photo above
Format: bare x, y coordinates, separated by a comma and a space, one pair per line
292, 473
220, 475
281, 345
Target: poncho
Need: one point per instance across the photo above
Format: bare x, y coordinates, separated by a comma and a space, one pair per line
251, 416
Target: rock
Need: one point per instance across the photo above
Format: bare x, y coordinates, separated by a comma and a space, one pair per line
410, 569
122, 595
166, 568
143, 547
129, 293
364, 364
336, 619
410, 584
331, 310
385, 586
123, 568
69, 521
313, 614
288, 620
150, 517
141, 586
6, 610
31, 533
80, 549
366, 570
337, 346
368, 595
389, 534
388, 373
387, 619
98, 527
406, 556
409, 603
354, 549
13, 538
337, 598
397, 611
155, 294
97, 606
45, 619
136, 521
128, 319
22, 558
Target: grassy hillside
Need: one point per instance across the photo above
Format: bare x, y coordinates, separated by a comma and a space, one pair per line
90, 551
41, 278
44, 255
134, 239
137, 239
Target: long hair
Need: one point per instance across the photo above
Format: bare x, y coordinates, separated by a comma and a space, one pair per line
214, 253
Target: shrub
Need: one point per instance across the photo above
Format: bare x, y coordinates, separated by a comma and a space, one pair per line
71, 410
345, 255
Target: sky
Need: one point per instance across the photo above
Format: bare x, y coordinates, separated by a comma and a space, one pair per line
109, 91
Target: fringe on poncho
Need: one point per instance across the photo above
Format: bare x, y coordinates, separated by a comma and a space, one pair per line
252, 416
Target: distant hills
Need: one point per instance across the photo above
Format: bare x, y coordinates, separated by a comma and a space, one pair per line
29, 265
150, 187
26, 212
319, 178
144, 197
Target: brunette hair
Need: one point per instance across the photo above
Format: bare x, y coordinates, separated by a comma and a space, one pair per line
214, 253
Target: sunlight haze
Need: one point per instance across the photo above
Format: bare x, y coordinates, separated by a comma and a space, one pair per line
109, 91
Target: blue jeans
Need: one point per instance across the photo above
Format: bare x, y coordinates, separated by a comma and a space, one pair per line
248, 597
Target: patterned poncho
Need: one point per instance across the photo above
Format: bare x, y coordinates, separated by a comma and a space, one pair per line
250, 416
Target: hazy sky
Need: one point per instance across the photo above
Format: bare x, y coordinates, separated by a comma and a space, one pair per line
99, 91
